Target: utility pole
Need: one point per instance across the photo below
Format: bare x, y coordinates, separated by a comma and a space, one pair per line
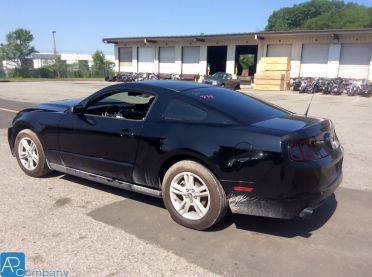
55, 53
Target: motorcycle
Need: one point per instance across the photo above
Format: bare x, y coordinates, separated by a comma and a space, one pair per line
337, 86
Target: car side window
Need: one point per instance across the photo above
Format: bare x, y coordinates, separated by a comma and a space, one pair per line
180, 110
183, 111
122, 105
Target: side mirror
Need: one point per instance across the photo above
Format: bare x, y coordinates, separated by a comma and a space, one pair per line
77, 109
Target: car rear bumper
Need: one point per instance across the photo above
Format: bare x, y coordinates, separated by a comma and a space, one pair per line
243, 203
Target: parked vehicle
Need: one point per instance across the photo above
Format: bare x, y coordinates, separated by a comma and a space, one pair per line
201, 148
313, 86
326, 89
222, 79
175, 77
337, 86
296, 84
304, 85
359, 87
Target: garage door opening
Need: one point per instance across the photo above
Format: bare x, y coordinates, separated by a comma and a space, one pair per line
245, 55
216, 59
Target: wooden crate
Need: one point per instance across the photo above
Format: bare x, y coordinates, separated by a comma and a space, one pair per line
274, 75
275, 66
269, 75
269, 82
270, 87
275, 60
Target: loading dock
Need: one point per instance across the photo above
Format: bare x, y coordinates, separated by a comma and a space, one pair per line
245, 50
216, 59
146, 56
190, 59
355, 60
167, 59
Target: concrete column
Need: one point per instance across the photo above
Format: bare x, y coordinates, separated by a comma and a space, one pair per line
230, 60
156, 60
203, 60
261, 52
116, 54
178, 59
370, 69
333, 60
296, 59
134, 59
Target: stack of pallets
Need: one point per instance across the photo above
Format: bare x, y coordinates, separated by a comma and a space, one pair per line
274, 75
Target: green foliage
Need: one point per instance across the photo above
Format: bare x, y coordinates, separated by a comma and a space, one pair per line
101, 67
17, 50
246, 61
46, 71
320, 14
354, 16
83, 69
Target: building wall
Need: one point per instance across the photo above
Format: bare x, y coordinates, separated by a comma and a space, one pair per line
330, 66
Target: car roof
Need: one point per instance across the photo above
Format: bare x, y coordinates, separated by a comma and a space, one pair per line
176, 86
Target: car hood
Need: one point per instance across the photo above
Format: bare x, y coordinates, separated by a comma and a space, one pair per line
58, 106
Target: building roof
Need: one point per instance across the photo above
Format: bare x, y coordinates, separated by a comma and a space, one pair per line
203, 37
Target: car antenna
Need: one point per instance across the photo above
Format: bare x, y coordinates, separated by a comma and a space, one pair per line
308, 107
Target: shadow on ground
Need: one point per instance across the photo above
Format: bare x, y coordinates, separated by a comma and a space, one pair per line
241, 244
142, 206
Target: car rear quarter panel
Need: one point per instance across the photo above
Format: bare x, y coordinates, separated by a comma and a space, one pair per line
215, 146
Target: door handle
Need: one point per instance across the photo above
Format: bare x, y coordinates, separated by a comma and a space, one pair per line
127, 133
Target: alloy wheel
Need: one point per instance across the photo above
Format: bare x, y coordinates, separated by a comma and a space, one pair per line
189, 195
28, 154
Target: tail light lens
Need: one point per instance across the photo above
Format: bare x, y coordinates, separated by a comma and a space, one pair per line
307, 150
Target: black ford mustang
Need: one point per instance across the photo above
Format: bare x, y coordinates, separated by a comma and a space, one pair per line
199, 147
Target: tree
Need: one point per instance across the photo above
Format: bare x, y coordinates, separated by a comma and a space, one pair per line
320, 14
101, 67
246, 61
83, 69
18, 49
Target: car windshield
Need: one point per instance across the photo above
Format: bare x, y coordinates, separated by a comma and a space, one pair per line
238, 105
218, 75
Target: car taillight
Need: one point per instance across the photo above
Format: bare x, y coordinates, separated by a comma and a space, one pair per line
308, 150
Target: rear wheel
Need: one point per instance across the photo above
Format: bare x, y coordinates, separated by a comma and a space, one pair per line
30, 154
193, 195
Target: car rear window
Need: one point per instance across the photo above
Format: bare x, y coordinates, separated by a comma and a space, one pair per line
179, 110
238, 105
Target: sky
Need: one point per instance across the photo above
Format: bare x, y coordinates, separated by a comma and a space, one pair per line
80, 25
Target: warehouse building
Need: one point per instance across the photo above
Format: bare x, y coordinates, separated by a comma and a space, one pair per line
323, 53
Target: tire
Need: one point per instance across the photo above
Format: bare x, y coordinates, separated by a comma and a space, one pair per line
211, 195
31, 160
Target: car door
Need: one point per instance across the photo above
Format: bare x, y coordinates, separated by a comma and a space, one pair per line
229, 82
105, 134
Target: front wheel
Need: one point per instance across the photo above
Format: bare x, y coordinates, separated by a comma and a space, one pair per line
30, 154
193, 195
